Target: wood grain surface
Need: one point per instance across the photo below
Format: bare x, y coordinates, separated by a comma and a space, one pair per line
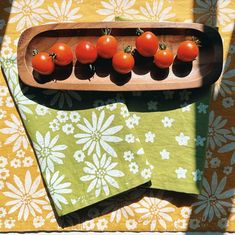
205, 70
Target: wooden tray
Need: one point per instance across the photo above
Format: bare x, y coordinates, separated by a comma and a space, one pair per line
205, 70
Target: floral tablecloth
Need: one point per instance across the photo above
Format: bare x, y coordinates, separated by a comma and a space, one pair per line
20, 179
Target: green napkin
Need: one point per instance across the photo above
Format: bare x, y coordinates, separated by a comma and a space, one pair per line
86, 153
173, 130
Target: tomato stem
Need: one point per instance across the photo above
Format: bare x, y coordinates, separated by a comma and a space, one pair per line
53, 55
139, 31
35, 52
128, 49
106, 31
162, 46
197, 41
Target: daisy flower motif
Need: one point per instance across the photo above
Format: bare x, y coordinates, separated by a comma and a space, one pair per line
156, 11
211, 11
117, 8
62, 98
216, 131
22, 101
57, 188
225, 84
98, 134
47, 151
214, 201
133, 167
54, 125
154, 211
17, 134
63, 13
79, 156
128, 156
26, 197
27, 13
102, 173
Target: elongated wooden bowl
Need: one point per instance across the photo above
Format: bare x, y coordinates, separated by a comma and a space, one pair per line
205, 70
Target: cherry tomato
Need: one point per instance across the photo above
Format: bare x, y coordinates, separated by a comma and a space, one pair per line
86, 52
187, 51
42, 62
164, 57
147, 44
106, 46
123, 62
63, 53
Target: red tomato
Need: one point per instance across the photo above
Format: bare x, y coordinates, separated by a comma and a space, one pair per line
123, 62
43, 63
86, 52
63, 53
147, 44
163, 58
187, 51
106, 46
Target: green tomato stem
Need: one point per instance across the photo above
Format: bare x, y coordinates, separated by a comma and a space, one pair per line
35, 52
139, 31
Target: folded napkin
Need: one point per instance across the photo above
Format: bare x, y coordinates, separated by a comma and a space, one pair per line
173, 130
86, 153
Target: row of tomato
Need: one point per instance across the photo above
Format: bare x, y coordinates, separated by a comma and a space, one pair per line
147, 44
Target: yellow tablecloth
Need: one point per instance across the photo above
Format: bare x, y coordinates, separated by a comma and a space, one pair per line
213, 210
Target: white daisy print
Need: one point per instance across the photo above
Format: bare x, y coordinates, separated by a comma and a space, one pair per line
62, 116
98, 133
130, 138
182, 139
211, 11
38, 221
17, 134
131, 224
133, 167
165, 155
102, 175
4, 173
117, 8
68, 128
9, 223
57, 188
3, 161
22, 101
216, 132
146, 173
215, 162
54, 125
181, 173
74, 116
26, 197
156, 11
27, 13
167, 122
225, 85
186, 212
124, 112
79, 156
213, 200
8, 63
41, 110
62, 98
149, 137
88, 225
128, 156
154, 210
63, 13
102, 224
48, 152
